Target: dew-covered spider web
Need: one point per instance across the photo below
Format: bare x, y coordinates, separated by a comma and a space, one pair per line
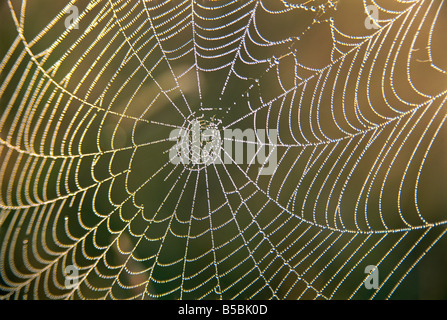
358, 99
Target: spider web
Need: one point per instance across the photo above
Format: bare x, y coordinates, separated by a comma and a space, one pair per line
86, 178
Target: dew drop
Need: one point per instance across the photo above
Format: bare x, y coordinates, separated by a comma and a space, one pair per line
217, 290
